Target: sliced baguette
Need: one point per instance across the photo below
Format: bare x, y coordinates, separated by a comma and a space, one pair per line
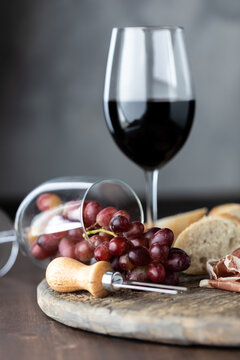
209, 238
177, 223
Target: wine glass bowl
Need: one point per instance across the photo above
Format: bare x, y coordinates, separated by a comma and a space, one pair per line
67, 213
148, 98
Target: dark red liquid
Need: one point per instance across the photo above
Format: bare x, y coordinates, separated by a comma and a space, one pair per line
150, 133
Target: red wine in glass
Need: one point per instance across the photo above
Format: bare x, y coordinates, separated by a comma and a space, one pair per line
154, 136
148, 99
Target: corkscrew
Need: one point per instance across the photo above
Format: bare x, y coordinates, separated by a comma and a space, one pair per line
69, 275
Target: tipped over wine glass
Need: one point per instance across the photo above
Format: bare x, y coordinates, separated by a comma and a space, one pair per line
149, 99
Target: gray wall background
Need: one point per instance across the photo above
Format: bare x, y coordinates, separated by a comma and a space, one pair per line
52, 63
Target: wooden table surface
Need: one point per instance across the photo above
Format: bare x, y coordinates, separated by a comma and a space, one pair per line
26, 333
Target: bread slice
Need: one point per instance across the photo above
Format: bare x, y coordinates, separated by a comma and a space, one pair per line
177, 223
209, 238
229, 211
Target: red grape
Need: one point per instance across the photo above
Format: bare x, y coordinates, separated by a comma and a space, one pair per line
177, 260
67, 248
163, 236
90, 213
138, 241
96, 240
139, 273
123, 213
125, 263
76, 234
156, 272
102, 253
48, 243
105, 215
149, 233
119, 224
159, 252
38, 252
48, 201
171, 278
115, 264
118, 246
136, 228
84, 251
58, 235
139, 256
105, 236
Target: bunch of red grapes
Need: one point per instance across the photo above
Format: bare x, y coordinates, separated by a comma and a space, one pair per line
141, 255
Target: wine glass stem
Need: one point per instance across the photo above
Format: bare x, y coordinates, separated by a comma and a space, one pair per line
151, 196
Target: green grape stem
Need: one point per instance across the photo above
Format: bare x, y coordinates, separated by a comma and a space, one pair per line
92, 227
92, 232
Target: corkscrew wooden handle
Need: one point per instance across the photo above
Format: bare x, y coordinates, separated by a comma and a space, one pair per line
67, 275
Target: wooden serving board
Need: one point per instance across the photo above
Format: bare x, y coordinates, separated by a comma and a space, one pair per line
200, 316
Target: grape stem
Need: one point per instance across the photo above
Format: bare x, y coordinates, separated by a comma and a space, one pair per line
91, 232
92, 227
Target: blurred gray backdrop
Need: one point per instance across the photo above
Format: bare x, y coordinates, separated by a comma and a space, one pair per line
52, 64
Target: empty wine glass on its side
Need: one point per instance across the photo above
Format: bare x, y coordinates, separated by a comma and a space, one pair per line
51, 219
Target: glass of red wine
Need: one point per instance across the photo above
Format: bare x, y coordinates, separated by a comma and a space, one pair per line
148, 99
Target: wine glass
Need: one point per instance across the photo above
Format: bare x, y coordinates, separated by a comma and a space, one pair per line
54, 211
148, 99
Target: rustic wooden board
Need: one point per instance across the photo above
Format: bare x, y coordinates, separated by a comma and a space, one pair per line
200, 316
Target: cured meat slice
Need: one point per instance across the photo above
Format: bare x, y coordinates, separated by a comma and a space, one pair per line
224, 273
229, 285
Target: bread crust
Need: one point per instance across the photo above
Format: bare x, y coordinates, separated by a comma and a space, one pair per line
224, 209
229, 217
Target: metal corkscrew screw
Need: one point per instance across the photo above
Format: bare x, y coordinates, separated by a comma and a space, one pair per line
68, 275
